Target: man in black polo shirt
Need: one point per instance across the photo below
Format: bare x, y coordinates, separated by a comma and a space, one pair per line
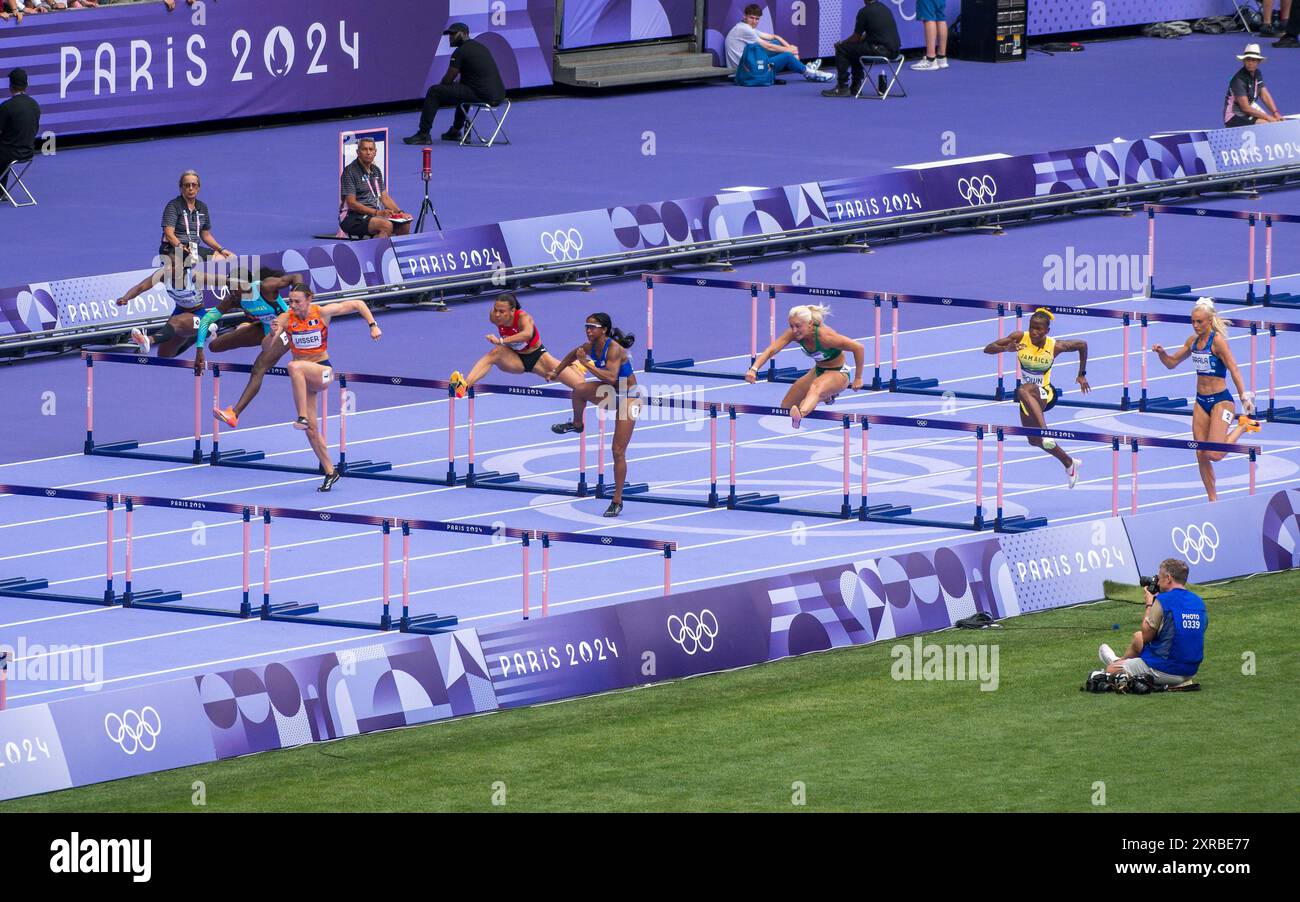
20, 120
1247, 96
875, 33
480, 82
368, 211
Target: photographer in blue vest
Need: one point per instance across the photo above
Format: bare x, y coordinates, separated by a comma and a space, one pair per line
1171, 644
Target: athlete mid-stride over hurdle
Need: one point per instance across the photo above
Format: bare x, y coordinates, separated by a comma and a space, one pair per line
1037, 352
830, 372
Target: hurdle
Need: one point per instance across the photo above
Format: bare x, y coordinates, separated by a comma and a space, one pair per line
685, 366
131, 449
1133, 443
1274, 413
23, 587
1252, 219
546, 537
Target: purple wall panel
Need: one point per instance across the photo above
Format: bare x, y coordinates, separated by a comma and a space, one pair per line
109, 735
591, 22
135, 66
1055, 16
1210, 539
31, 754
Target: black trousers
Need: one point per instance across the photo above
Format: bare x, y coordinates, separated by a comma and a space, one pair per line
452, 95
847, 60
7, 157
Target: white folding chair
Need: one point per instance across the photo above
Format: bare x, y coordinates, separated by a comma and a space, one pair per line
891, 68
15, 175
471, 137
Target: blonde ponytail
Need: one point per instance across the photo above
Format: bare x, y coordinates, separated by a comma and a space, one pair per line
1216, 321
813, 313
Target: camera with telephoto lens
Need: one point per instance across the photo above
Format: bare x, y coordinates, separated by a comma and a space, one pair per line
1150, 583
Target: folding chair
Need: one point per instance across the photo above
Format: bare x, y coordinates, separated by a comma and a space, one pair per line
16, 179
1244, 9
891, 66
471, 136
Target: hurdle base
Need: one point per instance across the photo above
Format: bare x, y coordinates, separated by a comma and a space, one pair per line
294, 612
914, 384
129, 449
602, 490
686, 367
881, 512
1165, 405
428, 624
1289, 415
908, 520
21, 587
786, 375
1282, 299
770, 507
149, 601
1185, 293
490, 477
667, 499
364, 467
1018, 523
239, 456
751, 501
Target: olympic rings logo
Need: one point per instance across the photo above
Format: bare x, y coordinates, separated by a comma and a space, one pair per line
694, 632
562, 244
1200, 212
922, 422
326, 516
396, 380
134, 731
607, 540
142, 359
902, 12
1196, 543
978, 191
50, 493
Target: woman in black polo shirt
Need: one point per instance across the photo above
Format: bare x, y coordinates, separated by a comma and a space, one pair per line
186, 221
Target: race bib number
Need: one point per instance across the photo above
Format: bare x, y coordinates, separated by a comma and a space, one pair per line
326, 374
1043, 393
1227, 416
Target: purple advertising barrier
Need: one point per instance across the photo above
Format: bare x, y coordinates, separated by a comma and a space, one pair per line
135, 66
979, 184
591, 22
31, 753
900, 193
1062, 565
1053, 17
1229, 538
109, 735
557, 657
365, 688
430, 255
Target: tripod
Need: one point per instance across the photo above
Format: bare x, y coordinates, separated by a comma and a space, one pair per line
426, 206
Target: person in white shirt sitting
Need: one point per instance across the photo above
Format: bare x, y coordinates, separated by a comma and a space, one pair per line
783, 56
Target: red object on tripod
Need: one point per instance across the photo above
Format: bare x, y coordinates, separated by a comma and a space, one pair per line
427, 172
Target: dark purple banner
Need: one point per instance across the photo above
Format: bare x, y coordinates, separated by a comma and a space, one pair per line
591, 22
136, 66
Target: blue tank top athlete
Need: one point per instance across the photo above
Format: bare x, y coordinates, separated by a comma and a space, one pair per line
825, 348
184, 284
261, 303
1214, 419
614, 389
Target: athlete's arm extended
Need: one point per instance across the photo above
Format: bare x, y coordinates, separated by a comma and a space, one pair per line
1172, 360
1002, 345
141, 288
1065, 346
1224, 353
353, 305
768, 353
276, 284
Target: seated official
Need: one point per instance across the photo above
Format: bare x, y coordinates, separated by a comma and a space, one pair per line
480, 82
187, 223
1247, 96
875, 33
781, 54
368, 211
20, 121
1171, 644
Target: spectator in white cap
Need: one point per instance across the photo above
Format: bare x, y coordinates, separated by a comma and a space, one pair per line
1248, 101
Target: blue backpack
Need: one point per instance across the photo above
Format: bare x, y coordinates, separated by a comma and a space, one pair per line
755, 69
